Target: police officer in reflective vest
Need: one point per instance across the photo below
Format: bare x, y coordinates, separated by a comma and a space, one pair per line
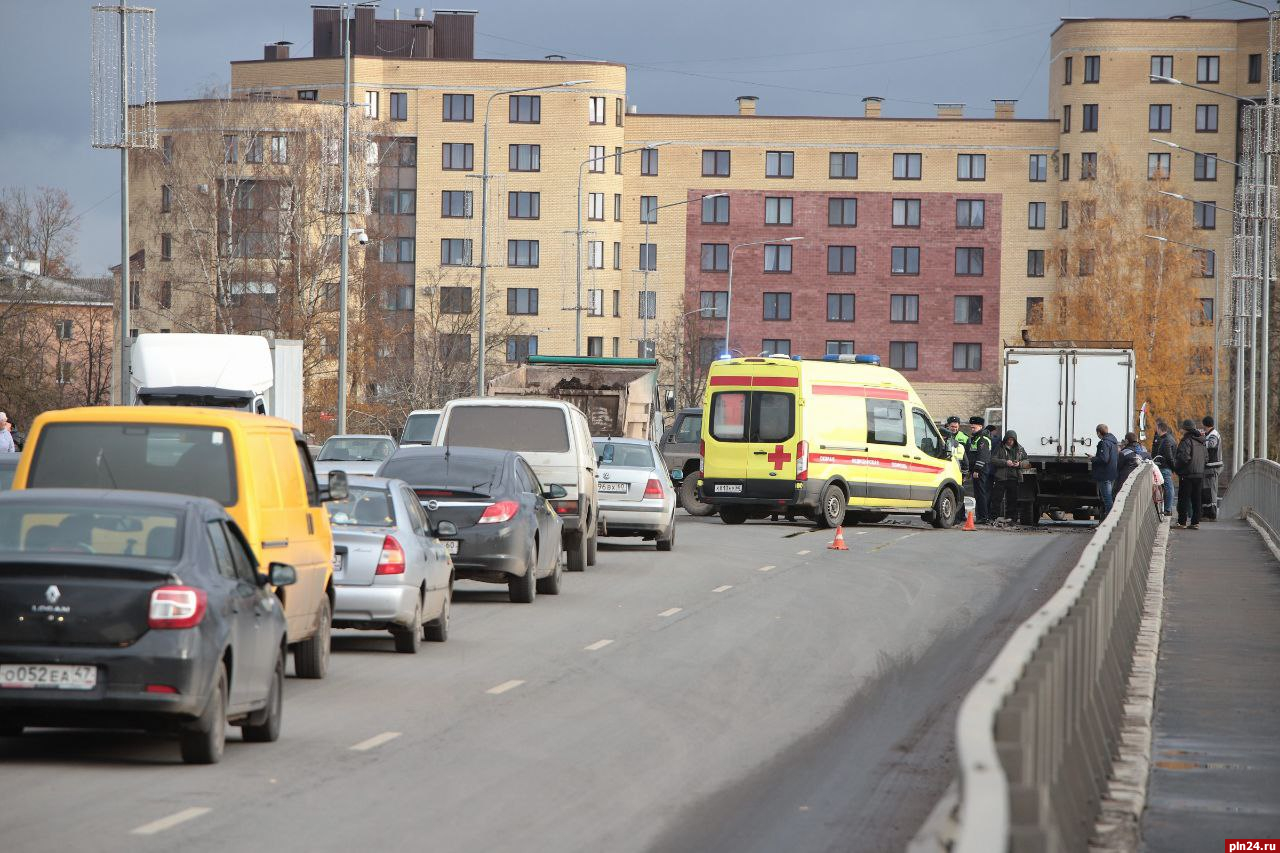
979, 463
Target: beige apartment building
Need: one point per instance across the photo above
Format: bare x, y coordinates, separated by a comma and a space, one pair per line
922, 240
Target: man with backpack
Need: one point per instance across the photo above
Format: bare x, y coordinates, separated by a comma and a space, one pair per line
1189, 464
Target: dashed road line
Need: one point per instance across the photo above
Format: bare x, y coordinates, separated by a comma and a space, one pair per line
597, 645
374, 742
766, 568
723, 588
505, 686
157, 826
671, 611
802, 553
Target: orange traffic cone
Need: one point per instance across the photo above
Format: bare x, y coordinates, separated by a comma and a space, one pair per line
837, 544
968, 522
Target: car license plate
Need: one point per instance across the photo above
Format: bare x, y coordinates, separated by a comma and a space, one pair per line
612, 487
32, 676
728, 488
450, 545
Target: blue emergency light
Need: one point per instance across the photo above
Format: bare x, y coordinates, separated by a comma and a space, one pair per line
855, 358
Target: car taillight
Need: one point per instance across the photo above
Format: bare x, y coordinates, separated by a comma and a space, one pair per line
565, 507
653, 489
496, 513
161, 688
433, 493
176, 607
391, 560
702, 449
802, 460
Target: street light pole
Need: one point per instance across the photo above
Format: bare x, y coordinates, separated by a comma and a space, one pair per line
345, 236
728, 307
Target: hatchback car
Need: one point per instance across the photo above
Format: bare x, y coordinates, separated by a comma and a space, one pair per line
505, 529
636, 497
354, 454
389, 572
137, 610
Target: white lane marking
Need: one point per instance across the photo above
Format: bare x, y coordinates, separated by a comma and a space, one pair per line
861, 532
671, 611
765, 568
802, 553
597, 645
171, 821
727, 586
375, 741
505, 686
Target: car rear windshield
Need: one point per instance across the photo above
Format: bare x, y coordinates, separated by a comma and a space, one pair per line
419, 428
6, 478
366, 506
43, 528
454, 471
355, 450
185, 460
534, 429
622, 455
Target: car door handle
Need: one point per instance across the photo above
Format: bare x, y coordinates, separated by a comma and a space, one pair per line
275, 543
760, 452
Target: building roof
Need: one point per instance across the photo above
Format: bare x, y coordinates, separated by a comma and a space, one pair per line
19, 286
1173, 19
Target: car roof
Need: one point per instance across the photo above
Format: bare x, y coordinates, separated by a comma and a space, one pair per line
359, 435
514, 402
194, 416
411, 451
370, 481
156, 500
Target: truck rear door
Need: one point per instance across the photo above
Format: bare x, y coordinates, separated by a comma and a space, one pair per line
1101, 392
1035, 396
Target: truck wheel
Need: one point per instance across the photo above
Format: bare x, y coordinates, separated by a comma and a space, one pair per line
690, 501
1058, 515
311, 656
944, 509
831, 506
576, 550
733, 514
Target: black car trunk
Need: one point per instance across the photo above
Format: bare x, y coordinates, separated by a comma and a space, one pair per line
461, 507
61, 603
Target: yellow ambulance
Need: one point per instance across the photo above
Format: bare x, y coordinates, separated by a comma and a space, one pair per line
841, 440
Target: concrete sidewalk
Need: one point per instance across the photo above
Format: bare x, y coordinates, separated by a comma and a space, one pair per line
1215, 770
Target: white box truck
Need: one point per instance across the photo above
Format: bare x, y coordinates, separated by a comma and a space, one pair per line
1055, 395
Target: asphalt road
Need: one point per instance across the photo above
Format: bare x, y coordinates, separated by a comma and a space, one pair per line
752, 691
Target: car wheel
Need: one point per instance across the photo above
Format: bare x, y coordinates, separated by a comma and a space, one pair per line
576, 550
409, 640
733, 514
550, 585
437, 630
204, 742
669, 542
1058, 515
690, 500
944, 509
264, 726
523, 589
591, 546
311, 656
831, 506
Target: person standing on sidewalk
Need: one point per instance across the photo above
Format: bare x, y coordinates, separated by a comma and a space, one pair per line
1007, 463
1212, 467
1105, 466
979, 461
1132, 454
6, 437
1163, 451
1189, 465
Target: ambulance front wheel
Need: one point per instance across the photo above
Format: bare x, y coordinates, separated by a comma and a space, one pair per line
733, 514
944, 509
831, 506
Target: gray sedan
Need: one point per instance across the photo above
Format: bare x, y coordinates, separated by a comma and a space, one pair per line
636, 497
355, 454
389, 571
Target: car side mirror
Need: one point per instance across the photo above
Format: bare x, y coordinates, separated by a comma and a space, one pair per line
555, 491
279, 574
677, 474
446, 528
337, 489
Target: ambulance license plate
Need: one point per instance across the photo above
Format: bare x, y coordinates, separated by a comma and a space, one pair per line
728, 489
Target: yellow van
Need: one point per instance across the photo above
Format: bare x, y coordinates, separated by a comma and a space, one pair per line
840, 439
256, 466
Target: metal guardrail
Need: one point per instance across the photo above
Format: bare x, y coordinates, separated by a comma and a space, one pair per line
1255, 493
1036, 735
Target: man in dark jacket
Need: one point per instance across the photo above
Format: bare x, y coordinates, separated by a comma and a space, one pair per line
1007, 462
978, 458
1132, 454
1163, 451
1189, 464
1212, 466
1105, 466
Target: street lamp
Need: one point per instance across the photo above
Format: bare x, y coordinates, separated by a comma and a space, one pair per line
1198, 153
484, 215
1160, 78
577, 305
728, 308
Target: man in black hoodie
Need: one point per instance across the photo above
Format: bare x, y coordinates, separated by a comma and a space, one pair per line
1007, 463
1189, 462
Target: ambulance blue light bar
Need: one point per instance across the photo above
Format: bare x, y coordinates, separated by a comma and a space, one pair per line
856, 358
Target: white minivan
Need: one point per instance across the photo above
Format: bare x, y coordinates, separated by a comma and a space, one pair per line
553, 438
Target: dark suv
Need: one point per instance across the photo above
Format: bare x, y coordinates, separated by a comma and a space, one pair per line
681, 446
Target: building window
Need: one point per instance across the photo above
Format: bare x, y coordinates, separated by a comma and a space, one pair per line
1204, 215
595, 207
524, 205
842, 260
1092, 69
399, 106
617, 303
1035, 310
966, 356
969, 261
407, 149
840, 307
715, 164
839, 347
595, 302
525, 158
595, 254
371, 105
715, 211
617, 122
905, 260
1066, 70
617, 159
779, 164
906, 167
231, 149
308, 94
1203, 318
648, 209
520, 347
166, 294
459, 108
842, 212
1035, 263
968, 310
595, 158
1206, 118
400, 298
904, 308
63, 329
455, 253
1066, 118
1039, 168
166, 149
844, 164
166, 247
1206, 167
713, 304
1206, 69
775, 346
595, 110
970, 213
135, 296
1086, 265
522, 253
1255, 68
1035, 215
906, 213
1063, 214
595, 347
904, 355
455, 204
715, 257
457, 156
617, 258
1066, 167
1157, 166
1160, 117
648, 305
1062, 262
971, 167
1208, 264
1088, 165
522, 301
777, 258
166, 198
777, 306
1161, 66
398, 250
455, 300
648, 256
524, 109
392, 202
1089, 119
648, 161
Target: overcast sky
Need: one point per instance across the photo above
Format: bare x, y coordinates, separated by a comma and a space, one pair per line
798, 56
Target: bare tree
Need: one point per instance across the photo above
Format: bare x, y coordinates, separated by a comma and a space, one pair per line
41, 225
685, 346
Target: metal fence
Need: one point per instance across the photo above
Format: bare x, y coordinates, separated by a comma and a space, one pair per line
1036, 735
1255, 492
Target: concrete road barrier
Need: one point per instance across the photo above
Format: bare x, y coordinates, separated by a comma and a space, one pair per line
1254, 494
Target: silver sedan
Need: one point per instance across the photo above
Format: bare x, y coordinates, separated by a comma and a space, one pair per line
355, 454
390, 573
634, 487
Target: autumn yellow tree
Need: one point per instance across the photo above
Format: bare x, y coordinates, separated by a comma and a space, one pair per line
1116, 284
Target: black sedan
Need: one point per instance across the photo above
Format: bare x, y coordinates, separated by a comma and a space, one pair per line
504, 529
137, 610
